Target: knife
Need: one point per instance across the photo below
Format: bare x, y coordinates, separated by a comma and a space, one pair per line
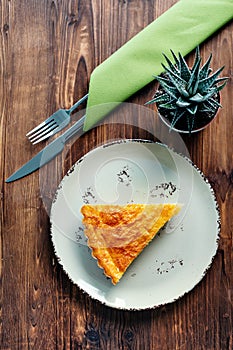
48, 152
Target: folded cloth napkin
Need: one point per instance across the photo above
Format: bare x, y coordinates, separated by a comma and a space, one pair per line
181, 28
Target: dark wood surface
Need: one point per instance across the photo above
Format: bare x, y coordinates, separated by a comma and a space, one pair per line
48, 50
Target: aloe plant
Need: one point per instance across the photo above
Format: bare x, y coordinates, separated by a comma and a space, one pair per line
188, 93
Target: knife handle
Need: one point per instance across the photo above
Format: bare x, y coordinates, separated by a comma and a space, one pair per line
69, 133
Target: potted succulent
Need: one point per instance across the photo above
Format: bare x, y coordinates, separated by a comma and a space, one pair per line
188, 99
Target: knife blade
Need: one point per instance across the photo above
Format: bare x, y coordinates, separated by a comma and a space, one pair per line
48, 153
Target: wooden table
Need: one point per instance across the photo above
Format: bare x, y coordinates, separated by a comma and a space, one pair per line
48, 50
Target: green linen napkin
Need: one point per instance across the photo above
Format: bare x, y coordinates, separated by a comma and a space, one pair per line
181, 28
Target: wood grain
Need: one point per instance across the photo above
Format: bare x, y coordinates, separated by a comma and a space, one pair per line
48, 50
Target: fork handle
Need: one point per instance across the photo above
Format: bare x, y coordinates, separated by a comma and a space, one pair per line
79, 102
69, 133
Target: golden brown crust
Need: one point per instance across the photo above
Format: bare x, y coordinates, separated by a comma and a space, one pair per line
117, 234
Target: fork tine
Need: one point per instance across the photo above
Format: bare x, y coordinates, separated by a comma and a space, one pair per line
44, 134
38, 127
45, 128
43, 137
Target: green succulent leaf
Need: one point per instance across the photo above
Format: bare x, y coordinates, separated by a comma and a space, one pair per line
160, 99
219, 80
151, 101
204, 110
175, 59
184, 69
220, 87
172, 66
194, 78
206, 83
178, 82
182, 103
176, 78
212, 104
207, 108
161, 78
192, 109
211, 92
190, 122
205, 70
172, 91
169, 105
197, 58
197, 98
176, 118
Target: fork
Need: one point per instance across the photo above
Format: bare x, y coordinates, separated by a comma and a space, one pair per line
56, 122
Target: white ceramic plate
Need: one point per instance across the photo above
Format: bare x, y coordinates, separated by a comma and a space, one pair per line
141, 172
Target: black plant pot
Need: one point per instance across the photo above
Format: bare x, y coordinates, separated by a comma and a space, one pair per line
202, 120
